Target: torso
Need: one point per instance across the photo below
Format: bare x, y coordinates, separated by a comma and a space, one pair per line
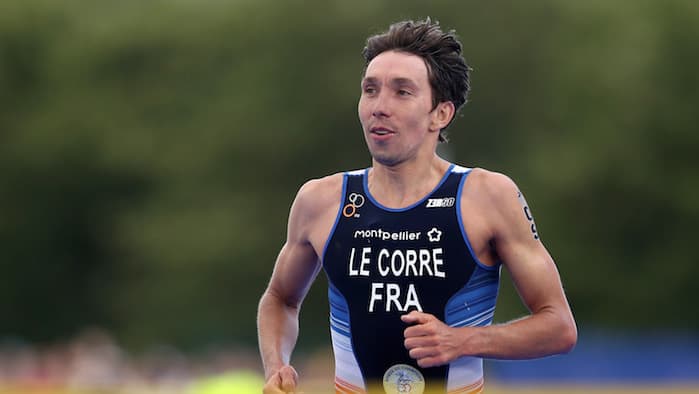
383, 262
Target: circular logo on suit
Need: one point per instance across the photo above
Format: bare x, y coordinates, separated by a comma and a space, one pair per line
403, 379
356, 201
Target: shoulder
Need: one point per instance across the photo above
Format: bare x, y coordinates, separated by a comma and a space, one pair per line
319, 189
314, 209
500, 203
494, 196
493, 186
317, 194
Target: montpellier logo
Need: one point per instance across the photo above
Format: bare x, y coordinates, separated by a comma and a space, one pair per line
356, 200
440, 202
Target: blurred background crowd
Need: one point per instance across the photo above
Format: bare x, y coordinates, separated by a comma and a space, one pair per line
150, 150
93, 362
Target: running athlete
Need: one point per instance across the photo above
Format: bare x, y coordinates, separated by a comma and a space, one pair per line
412, 246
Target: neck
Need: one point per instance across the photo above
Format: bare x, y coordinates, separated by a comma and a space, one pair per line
405, 183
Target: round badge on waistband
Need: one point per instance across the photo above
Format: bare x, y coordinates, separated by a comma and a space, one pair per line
403, 379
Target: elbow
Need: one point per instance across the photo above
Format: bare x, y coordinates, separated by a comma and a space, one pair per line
568, 337
273, 299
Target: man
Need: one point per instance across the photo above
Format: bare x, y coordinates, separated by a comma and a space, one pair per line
413, 245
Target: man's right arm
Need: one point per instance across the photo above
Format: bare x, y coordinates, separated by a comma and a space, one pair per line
295, 269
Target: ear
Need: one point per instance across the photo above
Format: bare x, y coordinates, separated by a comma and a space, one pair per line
442, 114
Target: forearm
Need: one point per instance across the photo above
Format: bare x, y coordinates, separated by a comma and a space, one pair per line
541, 334
277, 326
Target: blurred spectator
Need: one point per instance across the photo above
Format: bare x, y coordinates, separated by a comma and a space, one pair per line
94, 362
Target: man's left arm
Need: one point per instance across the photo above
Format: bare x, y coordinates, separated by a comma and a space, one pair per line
548, 329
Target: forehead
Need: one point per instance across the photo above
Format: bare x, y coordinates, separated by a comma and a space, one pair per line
393, 64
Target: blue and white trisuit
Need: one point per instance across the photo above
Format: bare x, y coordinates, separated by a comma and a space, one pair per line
382, 263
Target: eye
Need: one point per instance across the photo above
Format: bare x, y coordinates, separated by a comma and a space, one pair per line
403, 92
369, 89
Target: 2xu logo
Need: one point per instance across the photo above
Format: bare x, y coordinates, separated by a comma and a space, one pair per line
356, 200
531, 220
528, 214
440, 202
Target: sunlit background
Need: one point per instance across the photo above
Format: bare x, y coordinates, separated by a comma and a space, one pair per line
150, 151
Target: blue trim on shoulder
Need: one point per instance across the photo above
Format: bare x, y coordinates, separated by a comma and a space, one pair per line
365, 181
337, 218
463, 229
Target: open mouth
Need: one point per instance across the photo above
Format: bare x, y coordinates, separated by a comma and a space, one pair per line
381, 131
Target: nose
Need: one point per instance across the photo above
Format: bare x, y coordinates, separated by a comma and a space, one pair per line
381, 104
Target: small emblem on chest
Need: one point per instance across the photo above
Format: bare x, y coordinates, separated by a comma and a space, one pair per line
440, 202
434, 235
356, 201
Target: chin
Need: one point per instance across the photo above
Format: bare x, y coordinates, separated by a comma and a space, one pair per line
386, 160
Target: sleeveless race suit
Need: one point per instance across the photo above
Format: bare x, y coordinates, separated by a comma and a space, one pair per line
382, 263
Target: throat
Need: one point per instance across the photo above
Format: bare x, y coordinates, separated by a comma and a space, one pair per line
401, 189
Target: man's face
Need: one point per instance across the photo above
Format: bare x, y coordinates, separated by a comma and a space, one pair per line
395, 107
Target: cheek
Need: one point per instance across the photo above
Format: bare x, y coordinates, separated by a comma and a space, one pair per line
414, 120
361, 109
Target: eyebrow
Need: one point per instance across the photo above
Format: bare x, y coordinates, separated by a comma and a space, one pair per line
393, 82
369, 81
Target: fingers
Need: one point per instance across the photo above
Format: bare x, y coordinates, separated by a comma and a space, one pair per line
289, 378
417, 317
427, 353
430, 361
422, 352
273, 385
421, 324
412, 342
283, 381
424, 339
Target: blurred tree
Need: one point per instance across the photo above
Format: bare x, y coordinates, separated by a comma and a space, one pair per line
149, 152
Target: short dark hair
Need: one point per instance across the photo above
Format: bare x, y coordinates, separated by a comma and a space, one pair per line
447, 70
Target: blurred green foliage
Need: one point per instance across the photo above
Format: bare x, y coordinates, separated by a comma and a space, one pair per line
150, 150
